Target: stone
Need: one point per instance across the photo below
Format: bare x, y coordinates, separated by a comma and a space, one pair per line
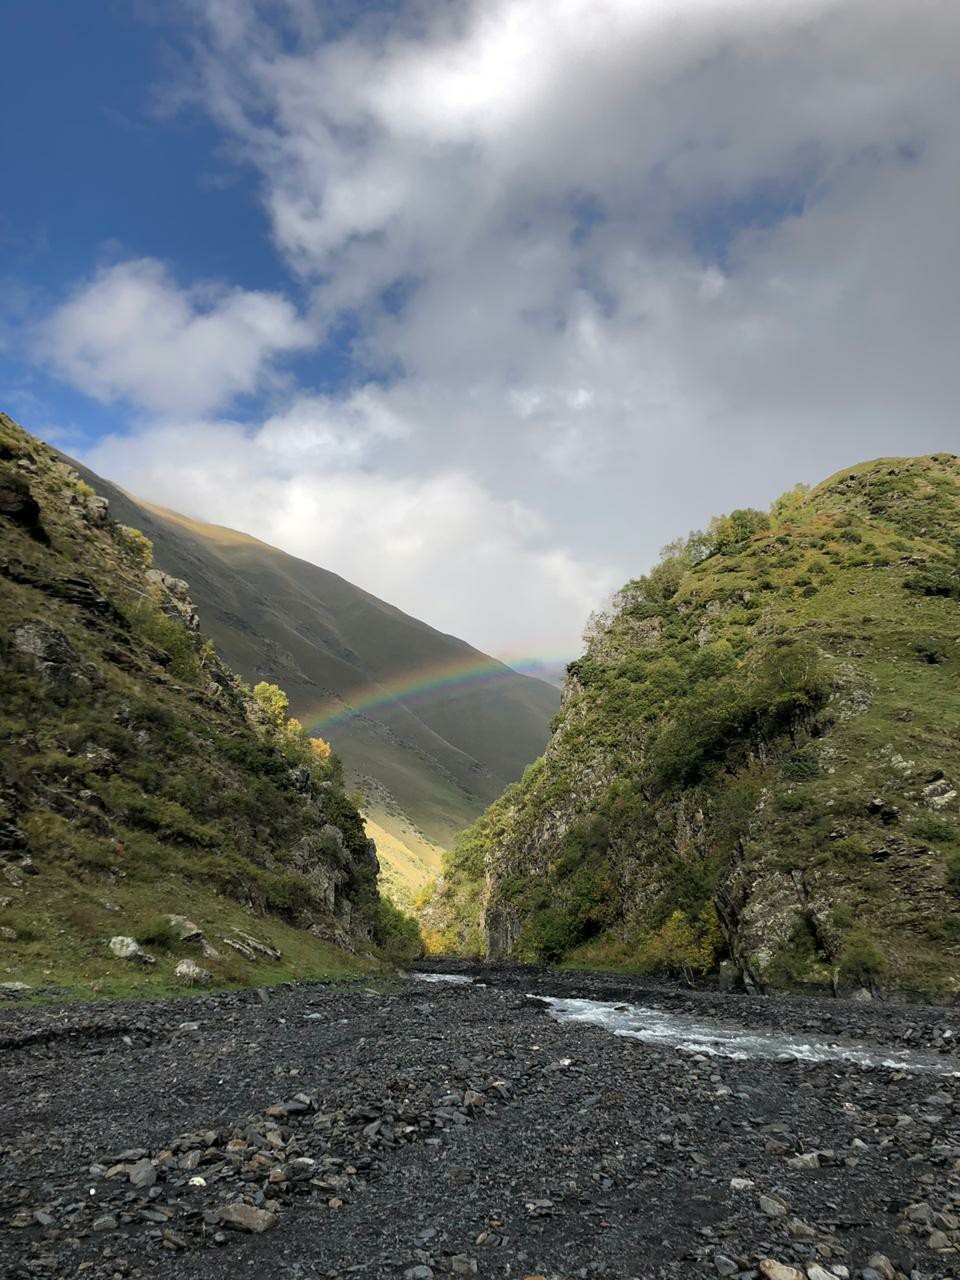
938, 1240
52, 654
772, 1206
191, 974
125, 948
807, 1160
421, 1272
461, 1265
185, 929
97, 509
142, 1174
7, 934
725, 1266
741, 1184
880, 1262
107, 1222
774, 1270
939, 793
20, 507
14, 988
816, 1272
244, 1217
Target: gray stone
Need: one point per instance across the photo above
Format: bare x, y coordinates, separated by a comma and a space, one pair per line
7, 934
880, 1262
461, 1265
142, 1174
807, 1160
774, 1270
244, 1217
185, 929
772, 1206
54, 658
725, 1266
105, 1223
191, 974
421, 1272
125, 948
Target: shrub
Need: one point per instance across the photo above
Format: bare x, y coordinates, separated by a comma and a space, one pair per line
159, 933
135, 545
396, 933
149, 621
936, 830
684, 946
863, 959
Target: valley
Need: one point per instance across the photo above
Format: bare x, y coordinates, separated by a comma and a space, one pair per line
430, 730
432, 1128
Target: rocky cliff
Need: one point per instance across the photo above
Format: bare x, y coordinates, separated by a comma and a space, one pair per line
143, 787
757, 760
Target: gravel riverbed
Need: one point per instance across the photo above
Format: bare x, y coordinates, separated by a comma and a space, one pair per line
437, 1128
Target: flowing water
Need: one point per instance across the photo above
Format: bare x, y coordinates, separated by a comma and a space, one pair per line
697, 1035
727, 1040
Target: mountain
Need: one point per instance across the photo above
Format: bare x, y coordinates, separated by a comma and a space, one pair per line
757, 759
158, 818
442, 727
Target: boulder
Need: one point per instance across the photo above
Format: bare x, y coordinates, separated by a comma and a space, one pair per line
185, 929
125, 948
190, 973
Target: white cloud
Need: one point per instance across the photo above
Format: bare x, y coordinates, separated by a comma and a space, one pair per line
131, 333
620, 264
439, 546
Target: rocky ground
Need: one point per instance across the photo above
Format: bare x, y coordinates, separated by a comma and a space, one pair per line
432, 1130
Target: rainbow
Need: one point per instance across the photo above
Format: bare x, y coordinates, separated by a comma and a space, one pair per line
414, 685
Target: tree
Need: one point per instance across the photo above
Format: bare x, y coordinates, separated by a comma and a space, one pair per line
273, 702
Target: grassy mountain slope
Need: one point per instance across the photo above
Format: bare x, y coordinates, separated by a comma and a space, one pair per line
435, 759
758, 757
139, 778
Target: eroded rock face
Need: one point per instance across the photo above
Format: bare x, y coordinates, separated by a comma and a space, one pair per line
53, 656
176, 598
18, 505
502, 928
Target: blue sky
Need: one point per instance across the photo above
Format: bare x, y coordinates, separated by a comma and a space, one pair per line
479, 304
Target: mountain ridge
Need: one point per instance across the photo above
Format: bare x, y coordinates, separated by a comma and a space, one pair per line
440, 757
757, 761
141, 779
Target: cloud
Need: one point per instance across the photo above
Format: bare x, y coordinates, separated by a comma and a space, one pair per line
610, 267
131, 333
440, 545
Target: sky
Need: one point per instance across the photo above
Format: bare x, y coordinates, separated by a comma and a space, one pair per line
479, 303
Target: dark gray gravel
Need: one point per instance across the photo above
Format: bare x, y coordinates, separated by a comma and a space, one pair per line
438, 1130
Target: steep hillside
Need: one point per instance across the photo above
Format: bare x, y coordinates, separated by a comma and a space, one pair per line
145, 792
442, 729
757, 757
